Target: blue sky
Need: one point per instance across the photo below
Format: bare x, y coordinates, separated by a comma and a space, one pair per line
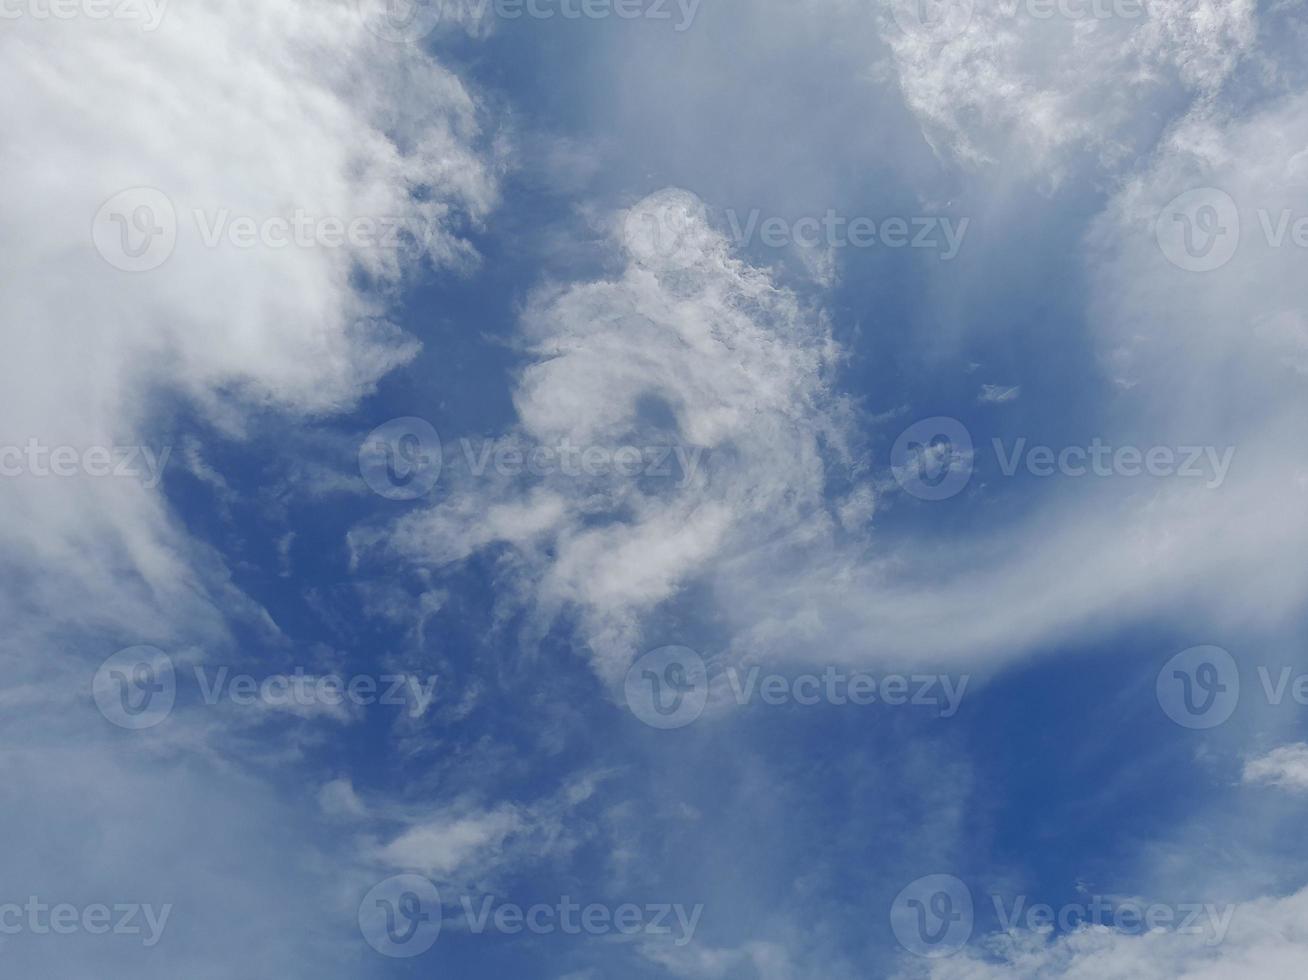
815, 484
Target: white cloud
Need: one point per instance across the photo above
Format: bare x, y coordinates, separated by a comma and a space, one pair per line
238, 109
1285, 767
1266, 939
1026, 90
688, 348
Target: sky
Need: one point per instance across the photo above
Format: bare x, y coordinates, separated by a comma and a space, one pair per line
726, 489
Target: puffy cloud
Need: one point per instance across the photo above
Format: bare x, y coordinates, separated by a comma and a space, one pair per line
1022, 83
230, 116
1285, 767
247, 137
717, 376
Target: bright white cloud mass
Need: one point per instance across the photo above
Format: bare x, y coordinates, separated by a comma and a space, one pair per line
507, 489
